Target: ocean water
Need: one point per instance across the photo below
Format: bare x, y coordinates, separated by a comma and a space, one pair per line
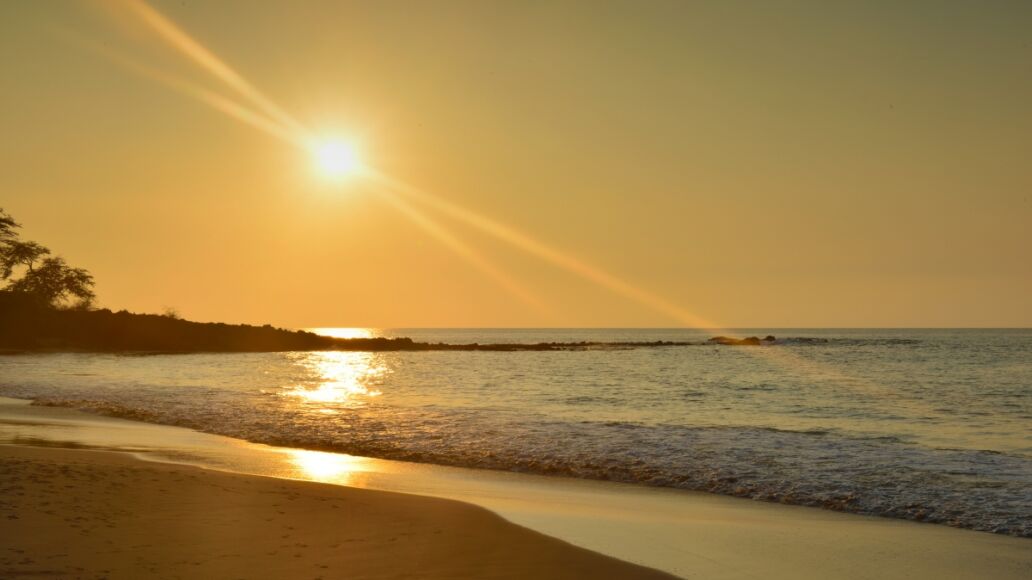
930, 425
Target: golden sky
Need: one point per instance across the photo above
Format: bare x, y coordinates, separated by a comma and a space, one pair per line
755, 164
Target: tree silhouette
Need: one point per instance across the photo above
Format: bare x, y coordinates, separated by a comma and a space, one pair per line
16, 253
46, 279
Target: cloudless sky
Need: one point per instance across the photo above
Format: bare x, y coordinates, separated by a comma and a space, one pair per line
761, 164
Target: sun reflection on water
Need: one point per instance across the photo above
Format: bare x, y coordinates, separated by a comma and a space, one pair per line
327, 467
336, 332
338, 379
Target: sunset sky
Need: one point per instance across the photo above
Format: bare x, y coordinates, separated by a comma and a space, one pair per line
758, 164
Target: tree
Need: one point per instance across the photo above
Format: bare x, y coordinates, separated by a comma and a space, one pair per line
47, 279
15, 253
53, 283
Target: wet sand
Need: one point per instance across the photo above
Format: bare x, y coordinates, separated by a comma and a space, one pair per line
92, 514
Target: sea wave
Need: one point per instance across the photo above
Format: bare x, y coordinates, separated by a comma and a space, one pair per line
881, 476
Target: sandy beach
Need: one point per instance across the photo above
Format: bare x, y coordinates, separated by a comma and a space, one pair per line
90, 514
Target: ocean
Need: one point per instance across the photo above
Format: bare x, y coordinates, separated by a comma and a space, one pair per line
928, 425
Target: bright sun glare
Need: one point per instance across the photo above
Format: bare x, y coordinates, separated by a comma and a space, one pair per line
337, 159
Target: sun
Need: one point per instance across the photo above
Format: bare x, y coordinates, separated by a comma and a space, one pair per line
336, 159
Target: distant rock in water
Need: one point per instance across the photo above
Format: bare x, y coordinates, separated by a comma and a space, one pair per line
749, 341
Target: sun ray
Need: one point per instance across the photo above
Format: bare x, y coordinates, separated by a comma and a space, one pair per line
463, 250
557, 258
210, 98
185, 44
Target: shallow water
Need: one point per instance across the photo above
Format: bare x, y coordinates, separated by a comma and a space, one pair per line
921, 424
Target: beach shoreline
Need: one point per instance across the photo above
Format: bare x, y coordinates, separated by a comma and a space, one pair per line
682, 533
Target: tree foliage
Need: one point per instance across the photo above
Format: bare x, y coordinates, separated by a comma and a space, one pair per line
7, 225
31, 270
16, 253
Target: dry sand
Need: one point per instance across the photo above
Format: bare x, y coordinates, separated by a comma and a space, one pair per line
90, 514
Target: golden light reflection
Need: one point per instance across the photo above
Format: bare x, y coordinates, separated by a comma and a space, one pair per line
341, 378
343, 332
326, 467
